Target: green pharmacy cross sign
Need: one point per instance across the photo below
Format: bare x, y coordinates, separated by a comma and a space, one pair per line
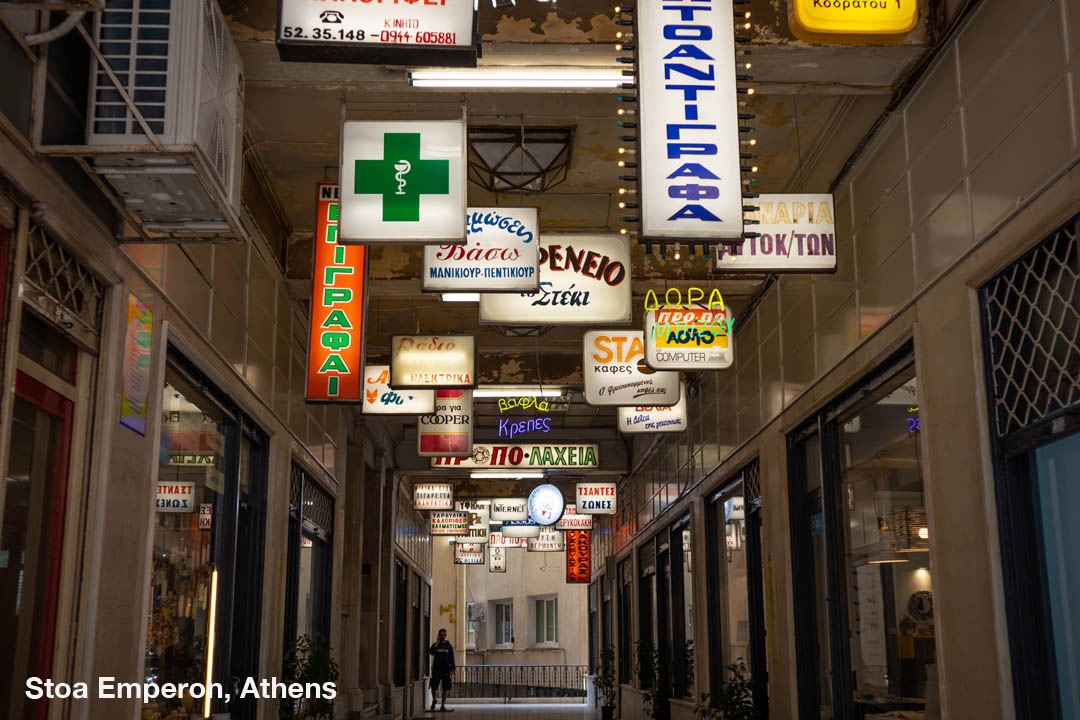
401, 177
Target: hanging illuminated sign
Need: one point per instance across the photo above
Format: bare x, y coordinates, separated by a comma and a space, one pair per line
336, 339
379, 399
403, 182
647, 419
596, 498
497, 539
520, 529
854, 21
584, 280
479, 517
545, 504
433, 496
570, 520
524, 456
448, 431
509, 509
427, 361
176, 496
578, 560
688, 125
500, 254
689, 339
616, 372
549, 540
496, 559
796, 233
468, 554
434, 32
449, 522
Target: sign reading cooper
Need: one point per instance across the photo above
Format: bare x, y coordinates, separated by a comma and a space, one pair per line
689, 339
584, 280
524, 456
403, 182
596, 498
509, 509
797, 234
449, 522
433, 496
425, 361
570, 520
447, 432
500, 254
645, 419
616, 372
379, 399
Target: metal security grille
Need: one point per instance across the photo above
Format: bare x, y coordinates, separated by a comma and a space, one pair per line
62, 289
1032, 316
319, 507
752, 483
296, 489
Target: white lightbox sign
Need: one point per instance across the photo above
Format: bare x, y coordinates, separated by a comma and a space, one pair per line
689, 338
468, 554
479, 517
426, 361
570, 520
596, 498
448, 522
448, 431
646, 419
402, 182
509, 509
496, 559
497, 539
616, 372
524, 456
584, 280
176, 496
688, 121
433, 496
797, 233
520, 529
500, 254
379, 399
549, 540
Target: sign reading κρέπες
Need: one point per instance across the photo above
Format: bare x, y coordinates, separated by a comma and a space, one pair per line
554, 455
616, 372
578, 559
646, 419
432, 361
500, 254
796, 233
449, 522
379, 399
689, 339
175, 496
688, 122
596, 498
433, 496
447, 432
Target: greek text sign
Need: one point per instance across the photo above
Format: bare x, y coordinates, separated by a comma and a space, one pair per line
688, 123
468, 554
336, 341
570, 520
859, 18
644, 418
509, 509
524, 456
496, 559
797, 234
689, 339
584, 280
549, 540
433, 496
379, 399
616, 372
578, 560
500, 254
403, 182
520, 529
479, 515
546, 504
448, 431
175, 496
424, 361
449, 522
596, 498
497, 539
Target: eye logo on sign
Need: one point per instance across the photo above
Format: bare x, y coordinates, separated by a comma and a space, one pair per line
545, 505
387, 177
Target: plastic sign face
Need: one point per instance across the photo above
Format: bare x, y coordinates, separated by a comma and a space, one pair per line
497, 539
524, 456
520, 529
689, 339
616, 372
176, 496
433, 496
403, 182
496, 559
500, 254
578, 556
479, 528
645, 419
549, 540
823, 20
797, 233
468, 554
449, 522
379, 399
545, 504
596, 498
448, 431
424, 361
509, 509
336, 341
570, 520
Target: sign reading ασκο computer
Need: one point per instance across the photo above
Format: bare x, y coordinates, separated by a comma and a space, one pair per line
688, 122
447, 432
616, 372
584, 280
500, 254
689, 338
796, 233
379, 399
646, 419
336, 339
403, 182
852, 21
426, 361
596, 498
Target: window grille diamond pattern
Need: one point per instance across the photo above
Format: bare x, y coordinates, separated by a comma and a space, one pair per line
1032, 315
318, 506
752, 483
296, 485
73, 295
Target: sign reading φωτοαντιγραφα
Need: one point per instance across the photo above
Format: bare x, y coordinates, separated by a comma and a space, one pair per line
432, 361
447, 432
433, 496
688, 123
403, 182
596, 498
689, 339
500, 254
796, 233
584, 280
616, 372
646, 419
509, 509
379, 399
524, 456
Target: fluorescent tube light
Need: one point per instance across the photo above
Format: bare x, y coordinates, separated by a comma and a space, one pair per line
509, 475
506, 391
520, 77
460, 297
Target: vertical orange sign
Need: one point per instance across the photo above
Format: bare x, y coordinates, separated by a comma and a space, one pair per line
578, 559
336, 345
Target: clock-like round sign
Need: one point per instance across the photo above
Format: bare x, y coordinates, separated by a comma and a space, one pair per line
545, 504
920, 605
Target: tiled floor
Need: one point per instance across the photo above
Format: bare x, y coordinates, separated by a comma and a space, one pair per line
519, 711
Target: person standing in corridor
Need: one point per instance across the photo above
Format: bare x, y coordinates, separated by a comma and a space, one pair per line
442, 668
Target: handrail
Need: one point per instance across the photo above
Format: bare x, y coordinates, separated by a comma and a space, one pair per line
512, 681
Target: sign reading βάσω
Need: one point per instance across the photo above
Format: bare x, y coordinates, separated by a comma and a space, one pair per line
500, 254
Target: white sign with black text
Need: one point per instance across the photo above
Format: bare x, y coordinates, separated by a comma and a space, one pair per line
176, 496
510, 509
647, 419
549, 540
496, 559
797, 233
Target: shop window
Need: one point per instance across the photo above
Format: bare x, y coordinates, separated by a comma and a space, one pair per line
472, 628
400, 624
420, 649
682, 615
646, 612
310, 561
504, 624
625, 598
546, 615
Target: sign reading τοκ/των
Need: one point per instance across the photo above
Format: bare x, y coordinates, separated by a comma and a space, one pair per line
403, 182
795, 234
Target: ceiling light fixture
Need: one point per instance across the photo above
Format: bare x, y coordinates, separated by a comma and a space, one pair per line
527, 474
460, 297
503, 391
520, 77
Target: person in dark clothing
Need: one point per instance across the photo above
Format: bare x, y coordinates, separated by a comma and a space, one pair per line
442, 668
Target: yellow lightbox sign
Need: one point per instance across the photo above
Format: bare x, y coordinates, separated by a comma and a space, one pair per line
861, 21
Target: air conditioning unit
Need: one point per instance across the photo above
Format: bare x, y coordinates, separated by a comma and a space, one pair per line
178, 63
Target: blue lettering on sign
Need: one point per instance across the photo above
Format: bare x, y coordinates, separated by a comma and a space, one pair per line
476, 222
